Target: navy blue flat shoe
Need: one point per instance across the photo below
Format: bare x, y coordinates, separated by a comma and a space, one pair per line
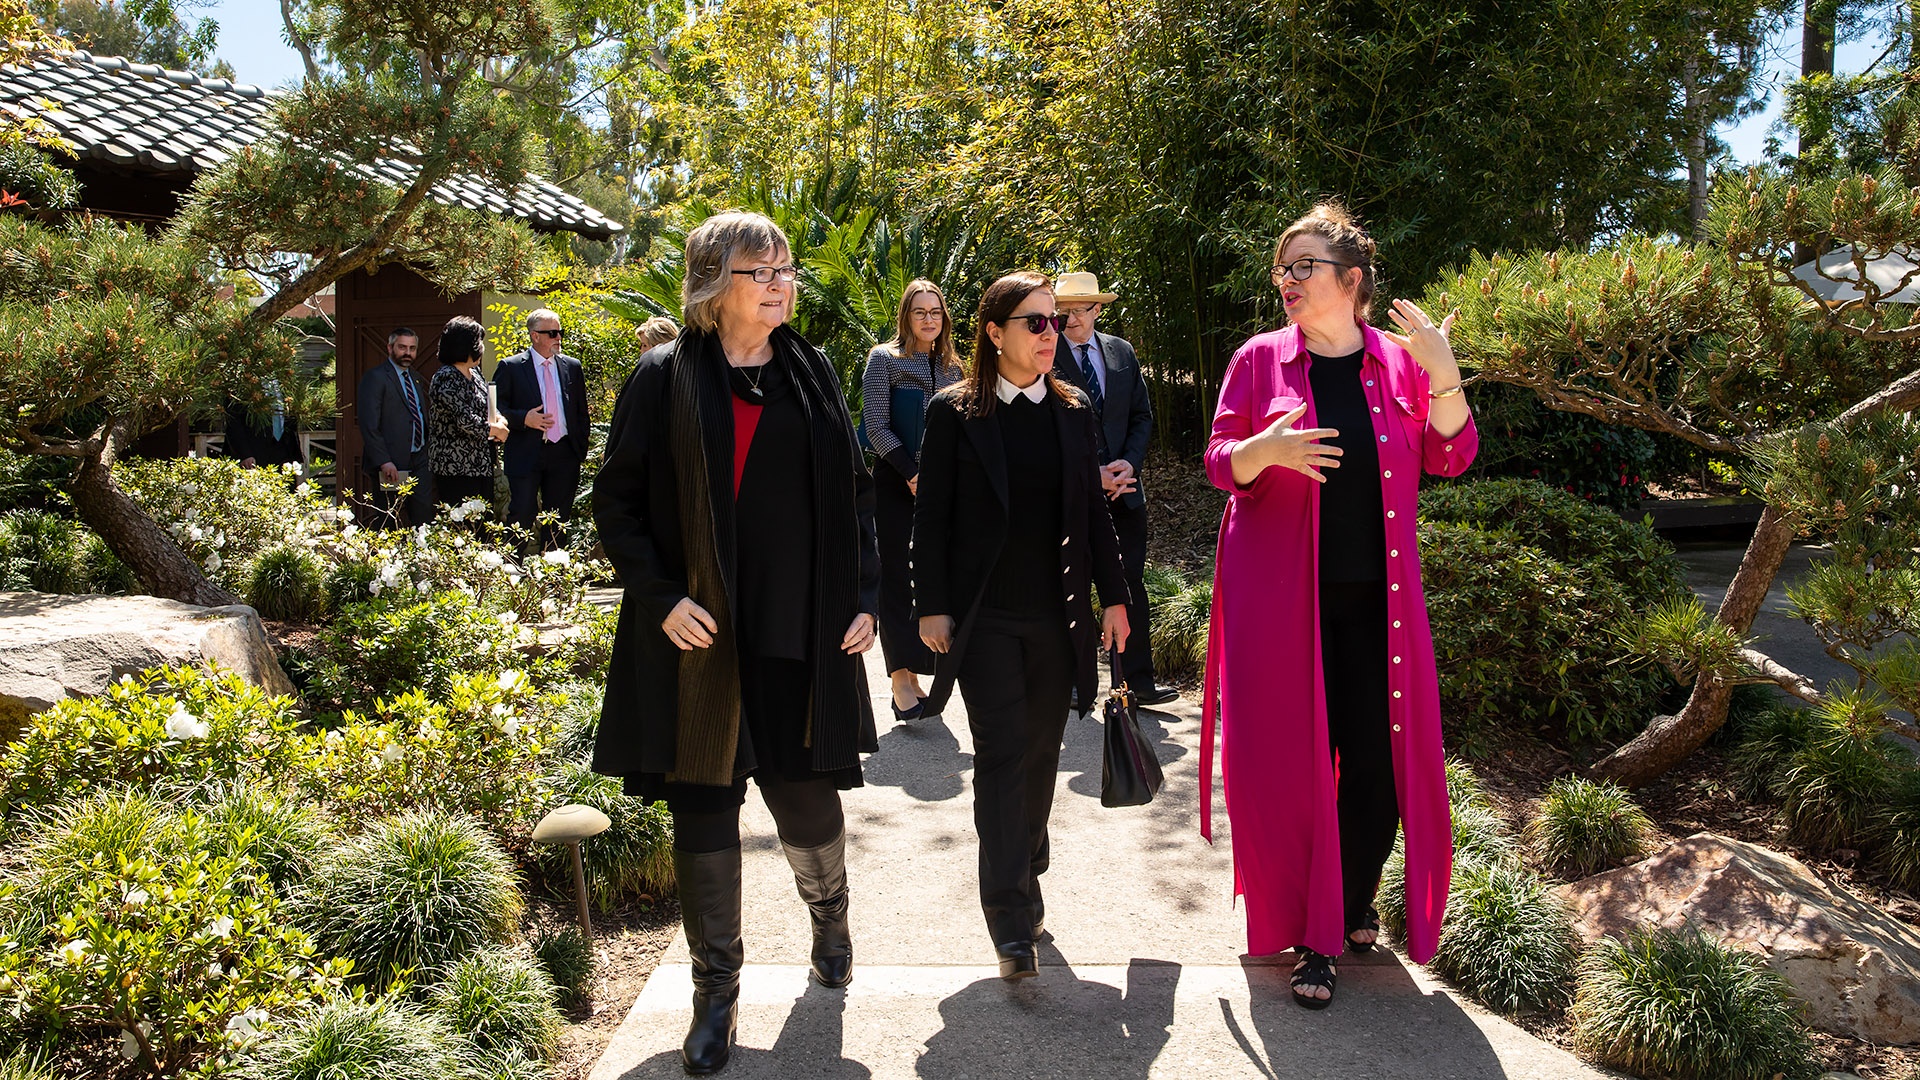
901, 716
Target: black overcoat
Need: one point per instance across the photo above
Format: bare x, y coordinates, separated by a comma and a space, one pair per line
637, 509
960, 527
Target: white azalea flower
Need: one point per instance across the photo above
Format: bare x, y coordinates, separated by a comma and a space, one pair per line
303, 490
508, 618
248, 1024
474, 505
129, 1045
195, 532
183, 725
216, 971
220, 927
220, 539
548, 607
511, 681
192, 514
426, 730
373, 589
189, 489
136, 897
214, 562
423, 586
513, 578
499, 708
486, 645
456, 514
389, 573
392, 753
491, 560
75, 951
296, 468
350, 529
558, 556
510, 725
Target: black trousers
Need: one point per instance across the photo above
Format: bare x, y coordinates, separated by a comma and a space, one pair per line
550, 487
418, 508
1353, 659
454, 490
900, 640
1137, 662
806, 814
1015, 678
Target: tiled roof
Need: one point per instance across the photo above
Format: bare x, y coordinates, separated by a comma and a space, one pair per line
146, 118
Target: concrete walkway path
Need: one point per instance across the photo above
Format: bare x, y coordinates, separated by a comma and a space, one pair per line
1143, 976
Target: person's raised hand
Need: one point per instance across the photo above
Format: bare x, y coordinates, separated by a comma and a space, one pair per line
537, 419
497, 430
389, 473
859, 636
1298, 449
1426, 342
689, 625
937, 632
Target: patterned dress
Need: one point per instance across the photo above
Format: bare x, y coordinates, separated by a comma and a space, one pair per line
457, 442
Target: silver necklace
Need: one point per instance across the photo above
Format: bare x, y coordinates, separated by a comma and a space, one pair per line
753, 381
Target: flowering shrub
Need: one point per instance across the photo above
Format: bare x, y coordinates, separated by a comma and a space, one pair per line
177, 964
480, 564
223, 515
352, 1037
384, 648
175, 730
633, 857
477, 748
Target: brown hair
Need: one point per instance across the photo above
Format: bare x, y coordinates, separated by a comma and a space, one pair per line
943, 351
980, 392
1345, 239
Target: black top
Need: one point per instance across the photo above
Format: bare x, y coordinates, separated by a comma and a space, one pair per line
773, 521
1353, 533
1027, 577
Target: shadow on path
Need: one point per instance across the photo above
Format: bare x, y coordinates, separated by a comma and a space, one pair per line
921, 758
1055, 1025
812, 1043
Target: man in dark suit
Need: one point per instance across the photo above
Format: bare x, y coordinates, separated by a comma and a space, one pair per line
542, 393
392, 412
1104, 366
263, 440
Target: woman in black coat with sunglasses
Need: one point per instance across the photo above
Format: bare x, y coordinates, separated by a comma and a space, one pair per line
1010, 532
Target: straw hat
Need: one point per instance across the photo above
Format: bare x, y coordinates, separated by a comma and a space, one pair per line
1081, 287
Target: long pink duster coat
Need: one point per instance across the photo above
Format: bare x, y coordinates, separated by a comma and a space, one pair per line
1263, 654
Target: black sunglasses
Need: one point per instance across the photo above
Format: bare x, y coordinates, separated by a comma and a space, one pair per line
1035, 323
551, 333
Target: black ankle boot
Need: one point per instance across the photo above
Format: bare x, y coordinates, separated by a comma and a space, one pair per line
709, 887
821, 875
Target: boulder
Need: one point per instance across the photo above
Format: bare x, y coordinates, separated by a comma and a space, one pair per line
54, 647
1856, 967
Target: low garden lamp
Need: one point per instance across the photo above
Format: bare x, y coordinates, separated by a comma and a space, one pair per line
569, 825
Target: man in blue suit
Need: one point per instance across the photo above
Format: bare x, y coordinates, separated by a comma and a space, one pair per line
542, 393
1105, 367
391, 410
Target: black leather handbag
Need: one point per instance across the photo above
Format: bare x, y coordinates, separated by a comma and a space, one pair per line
1129, 772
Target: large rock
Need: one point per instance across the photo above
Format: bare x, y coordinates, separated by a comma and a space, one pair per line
54, 647
1857, 968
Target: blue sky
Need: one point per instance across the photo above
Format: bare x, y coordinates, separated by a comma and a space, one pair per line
250, 40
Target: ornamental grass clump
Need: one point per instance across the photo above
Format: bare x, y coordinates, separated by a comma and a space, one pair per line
576, 720
1585, 827
1181, 609
1900, 855
501, 1003
1835, 791
1480, 839
1769, 743
351, 1038
567, 957
42, 548
633, 857
1675, 1003
1508, 940
409, 897
281, 835
286, 584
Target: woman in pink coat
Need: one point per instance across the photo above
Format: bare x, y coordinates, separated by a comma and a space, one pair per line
1319, 649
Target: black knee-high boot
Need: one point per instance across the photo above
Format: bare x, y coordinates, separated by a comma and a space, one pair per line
821, 875
709, 887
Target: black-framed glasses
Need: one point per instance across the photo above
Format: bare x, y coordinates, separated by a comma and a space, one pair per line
1037, 322
764, 274
1302, 269
551, 333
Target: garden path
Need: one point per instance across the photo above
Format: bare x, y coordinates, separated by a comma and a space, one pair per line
1144, 975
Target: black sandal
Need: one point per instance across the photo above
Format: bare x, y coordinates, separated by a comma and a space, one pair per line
1314, 971
1369, 921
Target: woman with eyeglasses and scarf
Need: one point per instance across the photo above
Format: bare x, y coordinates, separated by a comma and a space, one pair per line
1010, 533
1319, 648
737, 509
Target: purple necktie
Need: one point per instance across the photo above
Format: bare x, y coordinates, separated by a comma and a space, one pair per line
550, 394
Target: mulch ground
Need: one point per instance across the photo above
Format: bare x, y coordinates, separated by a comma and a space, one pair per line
627, 945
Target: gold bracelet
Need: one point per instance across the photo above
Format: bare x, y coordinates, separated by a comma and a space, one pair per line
1436, 395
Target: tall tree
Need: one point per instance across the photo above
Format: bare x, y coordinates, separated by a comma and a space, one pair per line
163, 32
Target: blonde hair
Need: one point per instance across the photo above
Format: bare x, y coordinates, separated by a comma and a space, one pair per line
711, 249
943, 351
1330, 221
657, 331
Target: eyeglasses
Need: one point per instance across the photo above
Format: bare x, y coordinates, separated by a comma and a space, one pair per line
551, 333
1302, 269
1037, 323
764, 274
927, 313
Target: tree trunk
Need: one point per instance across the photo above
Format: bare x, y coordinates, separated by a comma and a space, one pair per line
163, 569
1697, 133
1819, 20
1670, 739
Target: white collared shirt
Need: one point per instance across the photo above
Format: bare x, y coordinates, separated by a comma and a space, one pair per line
1035, 393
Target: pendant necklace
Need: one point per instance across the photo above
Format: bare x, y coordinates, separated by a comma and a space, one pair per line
753, 381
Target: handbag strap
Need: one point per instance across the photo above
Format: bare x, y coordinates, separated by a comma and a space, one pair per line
1113, 667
